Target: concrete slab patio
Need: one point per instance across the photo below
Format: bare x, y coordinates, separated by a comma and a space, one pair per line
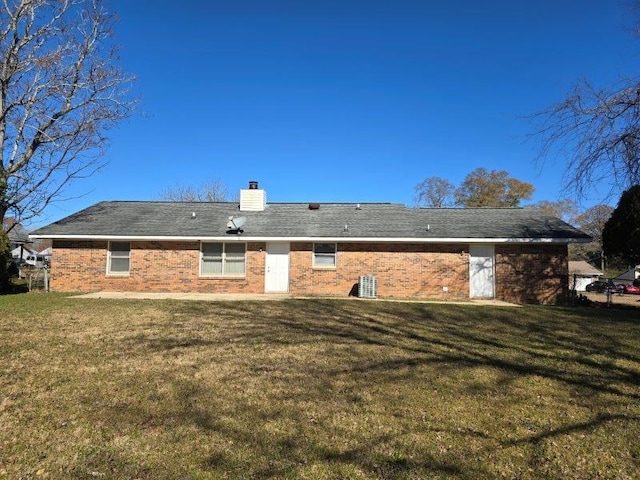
223, 297
206, 297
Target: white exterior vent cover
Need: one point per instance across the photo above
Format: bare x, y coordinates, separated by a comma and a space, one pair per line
252, 200
367, 286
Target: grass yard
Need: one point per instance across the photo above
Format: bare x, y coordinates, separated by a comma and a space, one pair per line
315, 389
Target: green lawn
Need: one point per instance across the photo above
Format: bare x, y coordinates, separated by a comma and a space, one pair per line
315, 389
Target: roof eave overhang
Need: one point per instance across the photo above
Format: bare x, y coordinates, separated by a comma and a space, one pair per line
249, 238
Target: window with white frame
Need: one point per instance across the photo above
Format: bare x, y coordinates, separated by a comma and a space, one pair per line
324, 255
222, 259
119, 258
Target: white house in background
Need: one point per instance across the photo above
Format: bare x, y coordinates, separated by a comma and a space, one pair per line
582, 274
630, 275
18, 235
40, 259
21, 251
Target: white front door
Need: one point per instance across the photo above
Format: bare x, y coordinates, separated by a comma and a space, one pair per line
276, 275
481, 276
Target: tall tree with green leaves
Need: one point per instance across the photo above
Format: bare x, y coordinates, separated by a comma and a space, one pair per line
621, 234
495, 188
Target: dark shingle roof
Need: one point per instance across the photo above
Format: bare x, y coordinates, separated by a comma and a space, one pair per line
17, 233
297, 220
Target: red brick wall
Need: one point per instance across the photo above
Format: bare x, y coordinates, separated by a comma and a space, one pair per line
81, 266
401, 270
532, 273
525, 273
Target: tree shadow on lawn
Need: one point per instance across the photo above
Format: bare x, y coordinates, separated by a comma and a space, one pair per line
167, 343
474, 337
282, 454
367, 343
541, 341
578, 427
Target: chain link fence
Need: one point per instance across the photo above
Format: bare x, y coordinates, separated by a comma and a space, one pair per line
37, 278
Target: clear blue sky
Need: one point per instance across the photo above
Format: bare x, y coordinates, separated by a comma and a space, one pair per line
347, 100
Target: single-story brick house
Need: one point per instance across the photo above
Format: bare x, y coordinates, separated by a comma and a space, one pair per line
517, 255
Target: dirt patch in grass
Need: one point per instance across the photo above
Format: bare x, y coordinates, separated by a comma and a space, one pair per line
315, 389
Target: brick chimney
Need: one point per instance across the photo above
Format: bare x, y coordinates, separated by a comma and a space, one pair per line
252, 199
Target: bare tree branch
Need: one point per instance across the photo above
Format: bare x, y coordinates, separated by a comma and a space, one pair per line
60, 91
434, 192
213, 191
565, 208
597, 131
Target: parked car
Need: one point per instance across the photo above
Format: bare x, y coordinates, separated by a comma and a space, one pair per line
601, 286
631, 289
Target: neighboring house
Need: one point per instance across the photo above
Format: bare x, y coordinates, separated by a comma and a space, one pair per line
19, 242
517, 255
629, 276
582, 274
47, 253
21, 252
18, 235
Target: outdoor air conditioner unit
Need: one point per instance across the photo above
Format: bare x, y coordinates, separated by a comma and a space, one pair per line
367, 286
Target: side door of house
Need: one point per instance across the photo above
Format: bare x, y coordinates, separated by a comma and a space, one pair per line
481, 271
276, 275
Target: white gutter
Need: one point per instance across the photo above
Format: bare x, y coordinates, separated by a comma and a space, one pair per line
242, 238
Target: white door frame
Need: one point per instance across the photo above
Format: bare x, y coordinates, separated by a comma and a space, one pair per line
276, 267
482, 271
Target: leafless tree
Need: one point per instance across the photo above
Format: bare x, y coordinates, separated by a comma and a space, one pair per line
60, 90
434, 192
565, 208
213, 191
598, 132
592, 222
